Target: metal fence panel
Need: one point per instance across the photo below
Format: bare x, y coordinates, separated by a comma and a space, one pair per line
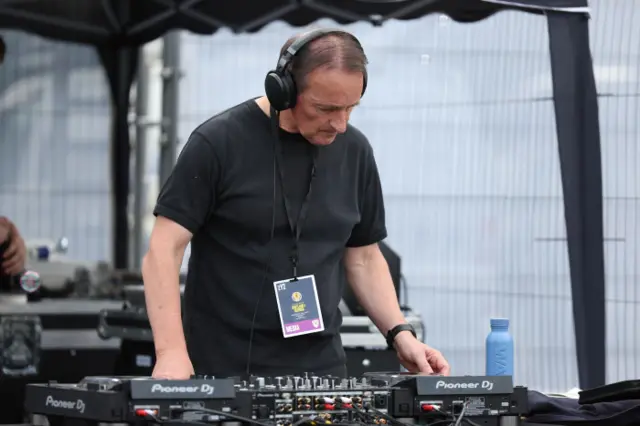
54, 144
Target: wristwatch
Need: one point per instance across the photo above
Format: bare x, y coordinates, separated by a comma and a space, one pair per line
391, 335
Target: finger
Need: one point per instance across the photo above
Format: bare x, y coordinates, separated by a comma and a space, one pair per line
160, 375
439, 363
12, 267
423, 364
14, 263
12, 250
443, 368
410, 366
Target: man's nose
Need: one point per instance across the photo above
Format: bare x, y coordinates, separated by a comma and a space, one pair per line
339, 122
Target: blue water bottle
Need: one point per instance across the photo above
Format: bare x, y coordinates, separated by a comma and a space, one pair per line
499, 349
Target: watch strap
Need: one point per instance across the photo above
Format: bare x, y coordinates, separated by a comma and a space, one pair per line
391, 335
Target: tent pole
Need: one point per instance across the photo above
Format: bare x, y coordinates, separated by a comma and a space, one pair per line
120, 65
140, 144
170, 98
576, 109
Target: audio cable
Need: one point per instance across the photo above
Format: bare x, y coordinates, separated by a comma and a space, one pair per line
205, 411
366, 418
275, 125
340, 403
454, 420
367, 407
451, 421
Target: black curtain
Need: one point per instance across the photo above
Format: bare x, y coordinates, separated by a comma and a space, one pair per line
576, 111
120, 65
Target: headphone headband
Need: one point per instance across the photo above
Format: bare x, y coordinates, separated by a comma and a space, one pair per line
299, 43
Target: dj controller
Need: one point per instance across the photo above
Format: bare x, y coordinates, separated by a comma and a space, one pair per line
373, 399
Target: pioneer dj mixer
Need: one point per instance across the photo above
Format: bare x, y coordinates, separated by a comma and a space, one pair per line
287, 400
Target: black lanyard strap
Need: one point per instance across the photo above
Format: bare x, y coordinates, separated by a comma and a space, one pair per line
296, 230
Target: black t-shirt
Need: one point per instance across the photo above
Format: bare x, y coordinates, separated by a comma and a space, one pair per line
222, 190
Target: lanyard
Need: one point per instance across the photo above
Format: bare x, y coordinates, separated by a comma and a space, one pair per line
296, 230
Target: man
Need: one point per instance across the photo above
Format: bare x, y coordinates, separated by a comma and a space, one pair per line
13, 251
272, 194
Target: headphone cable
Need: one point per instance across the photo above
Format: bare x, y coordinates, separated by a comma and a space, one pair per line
275, 118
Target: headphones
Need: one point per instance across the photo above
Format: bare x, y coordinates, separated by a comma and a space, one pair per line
279, 84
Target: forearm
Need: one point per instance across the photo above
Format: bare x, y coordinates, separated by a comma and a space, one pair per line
372, 284
160, 273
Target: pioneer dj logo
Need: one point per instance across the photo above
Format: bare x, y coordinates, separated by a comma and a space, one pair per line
203, 389
65, 405
485, 384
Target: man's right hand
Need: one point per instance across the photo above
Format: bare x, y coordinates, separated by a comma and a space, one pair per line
173, 365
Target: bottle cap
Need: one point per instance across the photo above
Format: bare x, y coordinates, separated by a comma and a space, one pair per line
43, 253
499, 323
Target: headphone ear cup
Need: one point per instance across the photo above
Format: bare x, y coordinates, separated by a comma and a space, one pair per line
365, 77
291, 89
275, 90
280, 90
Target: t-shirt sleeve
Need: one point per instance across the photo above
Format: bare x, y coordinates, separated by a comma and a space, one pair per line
372, 226
189, 194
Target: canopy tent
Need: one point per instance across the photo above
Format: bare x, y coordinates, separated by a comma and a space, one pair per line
118, 27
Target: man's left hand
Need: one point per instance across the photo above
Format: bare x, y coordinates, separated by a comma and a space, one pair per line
13, 261
417, 357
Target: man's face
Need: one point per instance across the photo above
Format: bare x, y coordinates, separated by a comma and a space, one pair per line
323, 108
